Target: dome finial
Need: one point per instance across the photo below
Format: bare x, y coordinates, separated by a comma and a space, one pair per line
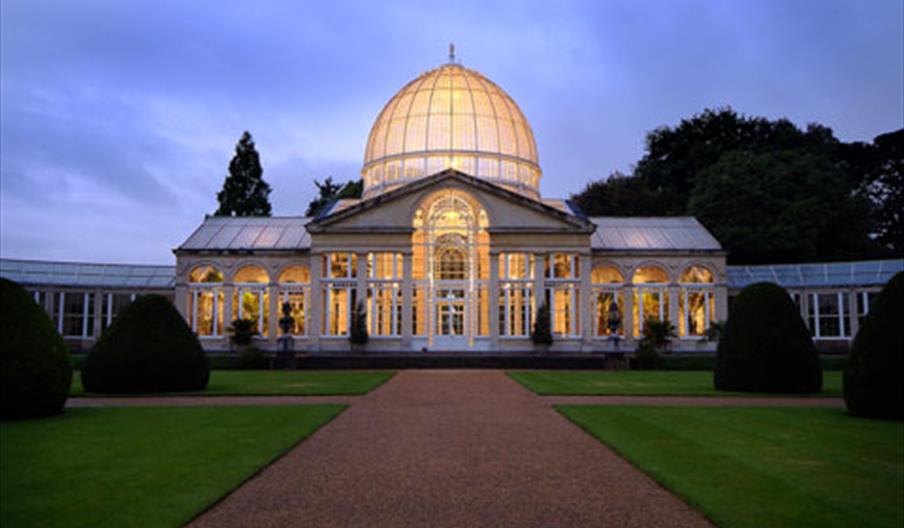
452, 53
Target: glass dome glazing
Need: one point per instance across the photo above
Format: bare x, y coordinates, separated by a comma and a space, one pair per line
454, 117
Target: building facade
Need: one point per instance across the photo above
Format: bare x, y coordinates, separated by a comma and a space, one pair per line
450, 248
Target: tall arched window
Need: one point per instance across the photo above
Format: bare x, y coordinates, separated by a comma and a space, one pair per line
294, 287
697, 302
651, 296
251, 299
205, 301
606, 286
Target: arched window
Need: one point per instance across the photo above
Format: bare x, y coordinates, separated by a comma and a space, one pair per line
696, 275
451, 262
606, 293
295, 274
651, 297
251, 298
251, 275
207, 274
293, 289
697, 302
205, 301
606, 275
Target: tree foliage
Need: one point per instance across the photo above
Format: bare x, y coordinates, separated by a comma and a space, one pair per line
329, 191
862, 181
874, 376
245, 193
782, 206
34, 362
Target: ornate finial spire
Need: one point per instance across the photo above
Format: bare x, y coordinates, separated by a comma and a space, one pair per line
452, 53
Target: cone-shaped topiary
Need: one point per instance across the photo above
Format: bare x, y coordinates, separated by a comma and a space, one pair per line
148, 348
542, 331
874, 377
765, 346
34, 362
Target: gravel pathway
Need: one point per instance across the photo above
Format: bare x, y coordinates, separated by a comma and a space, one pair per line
450, 448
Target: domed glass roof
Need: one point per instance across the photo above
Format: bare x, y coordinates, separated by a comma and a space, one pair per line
455, 117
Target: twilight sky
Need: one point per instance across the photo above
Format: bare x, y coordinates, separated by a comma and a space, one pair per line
118, 118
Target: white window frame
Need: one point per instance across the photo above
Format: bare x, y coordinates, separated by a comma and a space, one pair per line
844, 329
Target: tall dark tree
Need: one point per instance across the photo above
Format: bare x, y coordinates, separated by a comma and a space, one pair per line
861, 181
328, 191
886, 188
245, 193
617, 195
786, 206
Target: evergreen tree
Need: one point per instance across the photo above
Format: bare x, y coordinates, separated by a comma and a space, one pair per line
245, 193
328, 191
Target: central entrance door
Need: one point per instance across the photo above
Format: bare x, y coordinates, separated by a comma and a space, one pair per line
451, 318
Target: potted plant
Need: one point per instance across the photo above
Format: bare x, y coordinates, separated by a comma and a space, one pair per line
657, 336
541, 334
242, 334
357, 332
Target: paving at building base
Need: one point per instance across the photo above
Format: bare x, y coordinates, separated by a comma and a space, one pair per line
450, 448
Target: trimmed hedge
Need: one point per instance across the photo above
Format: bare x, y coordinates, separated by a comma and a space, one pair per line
34, 362
148, 348
874, 377
765, 346
251, 358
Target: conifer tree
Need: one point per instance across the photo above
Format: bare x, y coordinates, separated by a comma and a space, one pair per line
245, 193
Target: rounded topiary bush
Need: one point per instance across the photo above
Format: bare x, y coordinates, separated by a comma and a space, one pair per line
148, 348
765, 346
34, 363
874, 376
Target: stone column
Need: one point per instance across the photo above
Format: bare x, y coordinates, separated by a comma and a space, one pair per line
493, 301
407, 300
180, 299
539, 286
721, 301
584, 314
853, 320
360, 287
315, 305
273, 319
672, 314
228, 293
628, 323
98, 313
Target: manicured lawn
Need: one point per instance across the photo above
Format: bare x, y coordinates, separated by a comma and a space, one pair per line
140, 466
639, 382
271, 382
756, 467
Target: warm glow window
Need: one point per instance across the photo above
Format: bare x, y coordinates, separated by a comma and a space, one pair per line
252, 299
294, 287
696, 309
606, 284
384, 294
339, 292
205, 301
651, 298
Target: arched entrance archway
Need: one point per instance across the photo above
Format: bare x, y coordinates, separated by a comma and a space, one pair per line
450, 245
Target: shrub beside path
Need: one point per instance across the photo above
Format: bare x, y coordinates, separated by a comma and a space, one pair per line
450, 448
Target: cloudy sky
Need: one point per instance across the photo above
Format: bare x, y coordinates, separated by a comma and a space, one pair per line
118, 118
